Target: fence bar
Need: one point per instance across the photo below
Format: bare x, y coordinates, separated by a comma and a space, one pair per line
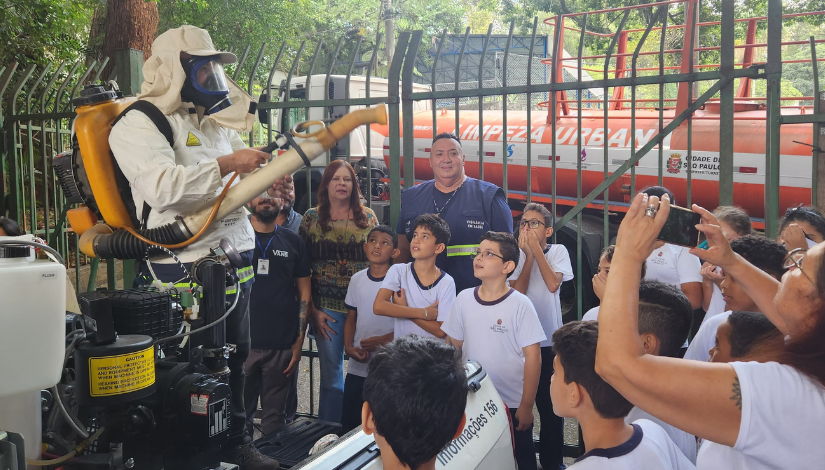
286, 124
251, 83
816, 151
100, 70
369, 129
661, 94
393, 77
773, 71
272, 95
558, 35
433, 104
16, 211
726, 108
504, 99
80, 84
530, 120
43, 151
606, 130
660, 11
751, 72
689, 100
347, 95
326, 85
30, 137
480, 129
407, 107
241, 63
458, 76
579, 158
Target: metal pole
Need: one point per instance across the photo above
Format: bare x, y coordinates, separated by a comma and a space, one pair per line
773, 71
726, 108
395, 126
407, 108
389, 30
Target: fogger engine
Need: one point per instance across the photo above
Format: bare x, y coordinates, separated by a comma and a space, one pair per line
153, 395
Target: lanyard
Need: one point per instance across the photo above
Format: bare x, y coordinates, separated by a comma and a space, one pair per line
264, 250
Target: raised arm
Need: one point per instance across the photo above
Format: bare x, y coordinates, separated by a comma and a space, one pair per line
759, 285
699, 398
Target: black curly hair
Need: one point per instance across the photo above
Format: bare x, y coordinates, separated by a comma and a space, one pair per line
761, 252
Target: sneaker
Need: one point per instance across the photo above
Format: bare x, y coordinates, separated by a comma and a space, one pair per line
248, 457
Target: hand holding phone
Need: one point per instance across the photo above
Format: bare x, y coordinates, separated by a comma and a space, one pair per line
680, 227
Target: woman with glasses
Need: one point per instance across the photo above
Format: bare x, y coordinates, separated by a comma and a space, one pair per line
752, 415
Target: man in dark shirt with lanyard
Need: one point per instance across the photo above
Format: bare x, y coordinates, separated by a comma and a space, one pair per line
278, 307
470, 207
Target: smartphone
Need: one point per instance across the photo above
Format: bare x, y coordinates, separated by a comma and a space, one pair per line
680, 227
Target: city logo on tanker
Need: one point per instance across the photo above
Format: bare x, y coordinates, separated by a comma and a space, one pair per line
674, 164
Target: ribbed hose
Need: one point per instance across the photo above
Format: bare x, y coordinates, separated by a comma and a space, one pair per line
123, 245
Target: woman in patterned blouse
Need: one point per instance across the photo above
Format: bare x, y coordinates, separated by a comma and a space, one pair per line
334, 232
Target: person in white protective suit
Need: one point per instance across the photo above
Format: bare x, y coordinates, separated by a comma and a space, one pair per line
184, 79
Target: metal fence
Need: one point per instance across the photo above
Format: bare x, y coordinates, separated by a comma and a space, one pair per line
36, 118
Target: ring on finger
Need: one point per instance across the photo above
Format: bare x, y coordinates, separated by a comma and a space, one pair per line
651, 211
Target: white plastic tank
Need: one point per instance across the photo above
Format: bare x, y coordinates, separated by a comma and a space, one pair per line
32, 337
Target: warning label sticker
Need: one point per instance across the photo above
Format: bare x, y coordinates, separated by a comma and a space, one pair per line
198, 403
116, 375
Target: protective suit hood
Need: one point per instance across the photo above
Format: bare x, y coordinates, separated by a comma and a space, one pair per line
164, 77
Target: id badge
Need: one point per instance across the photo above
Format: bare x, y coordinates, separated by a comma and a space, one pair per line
263, 267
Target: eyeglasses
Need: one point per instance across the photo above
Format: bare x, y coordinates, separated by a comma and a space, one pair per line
531, 223
794, 258
488, 254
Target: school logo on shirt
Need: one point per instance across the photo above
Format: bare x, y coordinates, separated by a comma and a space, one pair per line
498, 328
192, 141
659, 260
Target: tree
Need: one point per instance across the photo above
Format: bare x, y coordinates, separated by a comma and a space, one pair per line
122, 24
39, 31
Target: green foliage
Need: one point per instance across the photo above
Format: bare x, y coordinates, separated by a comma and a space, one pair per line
38, 31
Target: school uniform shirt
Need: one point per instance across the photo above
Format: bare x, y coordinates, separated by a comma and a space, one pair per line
673, 265
361, 294
470, 211
705, 338
716, 305
781, 427
274, 304
684, 441
649, 448
592, 314
495, 334
546, 303
419, 296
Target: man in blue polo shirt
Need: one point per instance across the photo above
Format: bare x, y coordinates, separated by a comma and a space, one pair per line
470, 207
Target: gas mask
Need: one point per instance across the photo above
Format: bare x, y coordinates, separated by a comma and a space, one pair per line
205, 84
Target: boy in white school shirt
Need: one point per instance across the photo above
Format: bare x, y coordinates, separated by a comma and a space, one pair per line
418, 295
364, 331
578, 392
540, 271
497, 326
